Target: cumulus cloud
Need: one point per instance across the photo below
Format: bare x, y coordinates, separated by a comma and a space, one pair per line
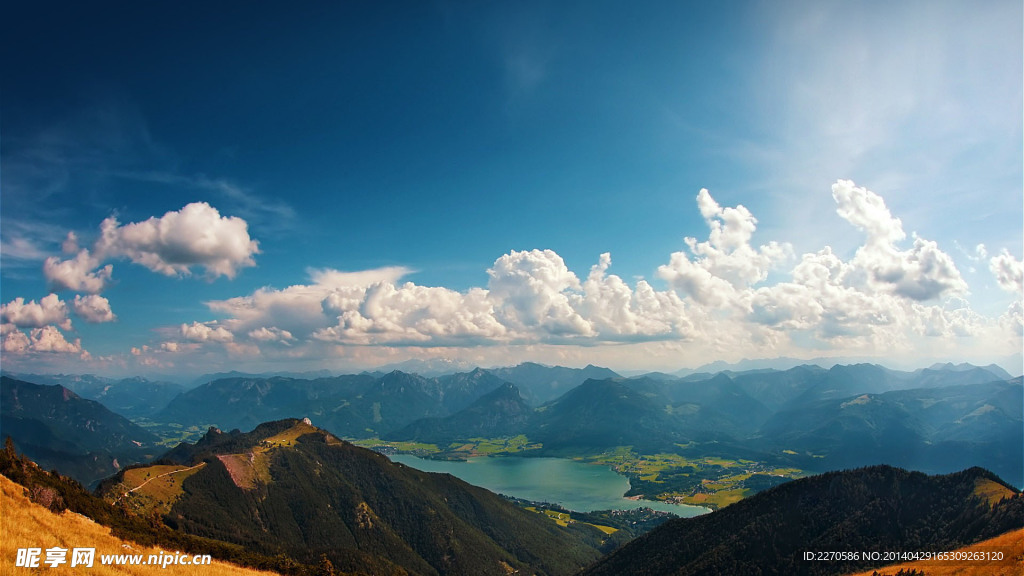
616, 309
1009, 272
49, 310
264, 334
922, 272
535, 291
47, 339
80, 274
70, 244
726, 262
531, 296
384, 313
93, 308
717, 299
15, 341
197, 235
300, 309
197, 332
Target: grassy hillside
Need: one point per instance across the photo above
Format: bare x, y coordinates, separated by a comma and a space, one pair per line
25, 524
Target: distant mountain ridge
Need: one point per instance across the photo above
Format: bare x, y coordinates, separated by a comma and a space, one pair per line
783, 363
501, 412
361, 405
544, 383
59, 429
130, 397
808, 417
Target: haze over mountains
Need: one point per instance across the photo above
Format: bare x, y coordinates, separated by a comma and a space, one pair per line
937, 419
294, 489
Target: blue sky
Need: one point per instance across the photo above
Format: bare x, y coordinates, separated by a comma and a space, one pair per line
345, 184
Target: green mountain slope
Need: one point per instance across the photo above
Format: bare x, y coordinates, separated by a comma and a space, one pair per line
59, 429
939, 429
502, 412
869, 509
291, 488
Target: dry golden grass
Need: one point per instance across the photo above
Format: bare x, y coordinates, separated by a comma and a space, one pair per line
1011, 544
289, 436
24, 524
152, 488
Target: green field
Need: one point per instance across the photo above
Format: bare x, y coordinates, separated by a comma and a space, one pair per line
710, 481
565, 519
461, 450
172, 434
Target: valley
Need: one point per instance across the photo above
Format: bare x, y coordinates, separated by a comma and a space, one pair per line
343, 469
707, 481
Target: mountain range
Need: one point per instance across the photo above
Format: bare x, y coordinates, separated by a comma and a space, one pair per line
59, 429
130, 397
937, 419
296, 497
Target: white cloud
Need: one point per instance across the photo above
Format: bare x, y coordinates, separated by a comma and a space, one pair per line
726, 262
299, 309
923, 272
46, 339
15, 341
21, 248
1009, 272
80, 274
198, 332
535, 292
24, 239
264, 334
885, 299
49, 310
49, 339
70, 244
197, 235
613, 308
384, 313
93, 308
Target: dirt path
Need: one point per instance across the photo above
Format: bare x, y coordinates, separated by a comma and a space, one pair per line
162, 475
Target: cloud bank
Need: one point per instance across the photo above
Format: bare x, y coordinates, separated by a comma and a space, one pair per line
720, 295
886, 297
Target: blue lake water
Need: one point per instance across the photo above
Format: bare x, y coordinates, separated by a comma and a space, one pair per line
571, 484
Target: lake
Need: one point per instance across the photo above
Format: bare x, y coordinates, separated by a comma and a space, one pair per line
571, 484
